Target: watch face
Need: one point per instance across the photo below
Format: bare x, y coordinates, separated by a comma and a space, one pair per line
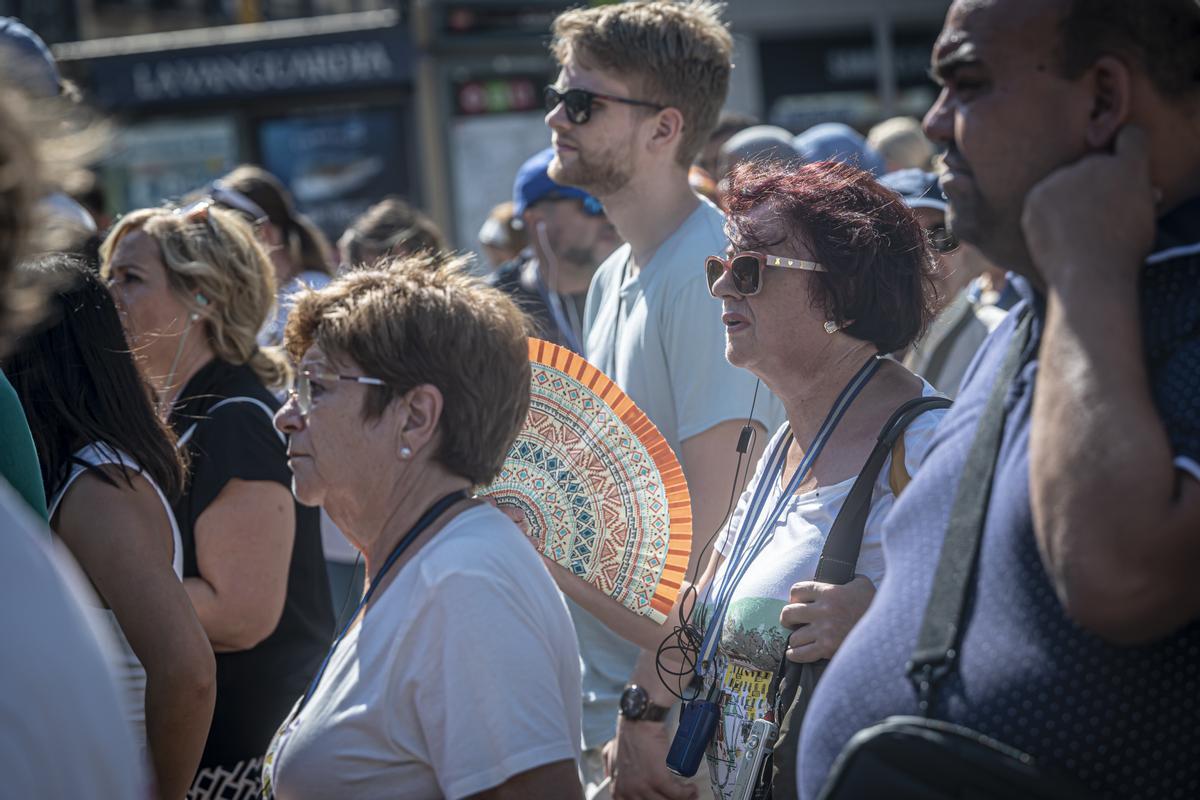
634, 702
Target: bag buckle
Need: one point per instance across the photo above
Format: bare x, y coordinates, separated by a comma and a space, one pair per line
926, 675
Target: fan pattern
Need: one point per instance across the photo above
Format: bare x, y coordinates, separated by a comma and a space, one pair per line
603, 492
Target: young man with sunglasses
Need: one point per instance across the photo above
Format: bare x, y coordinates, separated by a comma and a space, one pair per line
973, 293
640, 89
569, 237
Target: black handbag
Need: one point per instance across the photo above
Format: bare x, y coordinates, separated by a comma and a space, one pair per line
794, 683
919, 757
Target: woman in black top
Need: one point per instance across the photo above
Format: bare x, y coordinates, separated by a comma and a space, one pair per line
194, 287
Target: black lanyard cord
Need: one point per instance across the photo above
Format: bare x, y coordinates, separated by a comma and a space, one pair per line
431, 515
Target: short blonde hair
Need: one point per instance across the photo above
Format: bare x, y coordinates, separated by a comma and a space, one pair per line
214, 253
678, 54
423, 319
902, 144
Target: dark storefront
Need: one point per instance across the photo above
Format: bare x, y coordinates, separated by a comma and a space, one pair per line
835, 77
326, 104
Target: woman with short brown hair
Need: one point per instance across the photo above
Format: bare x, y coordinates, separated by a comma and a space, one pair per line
458, 675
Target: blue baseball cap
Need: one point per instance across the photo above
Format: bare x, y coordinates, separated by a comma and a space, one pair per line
27, 60
918, 189
533, 184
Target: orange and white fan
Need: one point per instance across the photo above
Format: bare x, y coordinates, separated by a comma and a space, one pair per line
603, 493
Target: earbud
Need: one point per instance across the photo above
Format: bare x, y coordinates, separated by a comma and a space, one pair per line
201, 300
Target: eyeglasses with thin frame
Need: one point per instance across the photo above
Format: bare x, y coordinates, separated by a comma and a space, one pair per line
301, 388
941, 239
578, 102
746, 269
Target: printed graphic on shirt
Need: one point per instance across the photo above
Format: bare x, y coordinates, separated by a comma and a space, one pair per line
752, 642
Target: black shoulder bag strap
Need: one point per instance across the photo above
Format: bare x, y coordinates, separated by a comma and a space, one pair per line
793, 683
942, 626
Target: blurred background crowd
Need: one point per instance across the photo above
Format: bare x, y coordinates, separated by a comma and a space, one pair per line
349, 101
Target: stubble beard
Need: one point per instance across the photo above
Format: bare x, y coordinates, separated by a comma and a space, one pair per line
601, 177
1000, 239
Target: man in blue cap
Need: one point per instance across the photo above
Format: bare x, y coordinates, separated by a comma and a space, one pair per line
569, 236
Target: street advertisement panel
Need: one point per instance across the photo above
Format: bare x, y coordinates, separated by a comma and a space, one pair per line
160, 161
336, 164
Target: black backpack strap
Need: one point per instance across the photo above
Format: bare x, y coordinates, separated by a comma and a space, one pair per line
839, 556
793, 683
941, 628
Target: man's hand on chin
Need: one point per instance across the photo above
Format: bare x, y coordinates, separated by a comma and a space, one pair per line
1094, 219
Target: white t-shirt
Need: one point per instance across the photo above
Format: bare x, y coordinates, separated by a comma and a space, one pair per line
63, 734
463, 673
658, 334
126, 667
752, 641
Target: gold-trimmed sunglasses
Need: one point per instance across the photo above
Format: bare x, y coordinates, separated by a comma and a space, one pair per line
746, 269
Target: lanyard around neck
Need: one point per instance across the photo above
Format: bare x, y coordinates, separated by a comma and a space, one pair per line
553, 300
752, 539
428, 518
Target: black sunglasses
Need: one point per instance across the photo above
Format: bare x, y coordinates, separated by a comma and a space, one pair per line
578, 102
942, 239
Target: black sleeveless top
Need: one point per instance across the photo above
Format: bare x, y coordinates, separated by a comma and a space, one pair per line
257, 687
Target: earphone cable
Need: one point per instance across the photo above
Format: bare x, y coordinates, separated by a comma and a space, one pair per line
686, 637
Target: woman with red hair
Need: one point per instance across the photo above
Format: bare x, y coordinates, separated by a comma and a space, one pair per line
826, 274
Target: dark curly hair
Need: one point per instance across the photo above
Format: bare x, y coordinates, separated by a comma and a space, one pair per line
879, 280
1164, 35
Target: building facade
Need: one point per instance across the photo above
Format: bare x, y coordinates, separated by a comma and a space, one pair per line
436, 100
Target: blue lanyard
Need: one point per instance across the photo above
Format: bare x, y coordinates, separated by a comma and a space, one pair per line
749, 543
553, 301
427, 519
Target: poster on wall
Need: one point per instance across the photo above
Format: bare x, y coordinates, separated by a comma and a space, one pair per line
336, 164
161, 161
486, 152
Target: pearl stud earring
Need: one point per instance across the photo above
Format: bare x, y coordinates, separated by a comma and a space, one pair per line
405, 453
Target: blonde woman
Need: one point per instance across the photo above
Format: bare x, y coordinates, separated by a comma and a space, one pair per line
194, 287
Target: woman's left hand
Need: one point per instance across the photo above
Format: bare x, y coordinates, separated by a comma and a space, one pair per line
822, 615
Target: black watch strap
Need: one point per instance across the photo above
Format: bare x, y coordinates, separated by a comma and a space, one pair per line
654, 713
635, 705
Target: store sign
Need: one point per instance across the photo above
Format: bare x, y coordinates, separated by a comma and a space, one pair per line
497, 96
360, 60
258, 72
841, 63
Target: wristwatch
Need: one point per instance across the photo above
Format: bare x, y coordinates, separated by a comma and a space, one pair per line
636, 705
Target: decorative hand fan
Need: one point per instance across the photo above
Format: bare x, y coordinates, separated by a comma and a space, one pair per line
603, 493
